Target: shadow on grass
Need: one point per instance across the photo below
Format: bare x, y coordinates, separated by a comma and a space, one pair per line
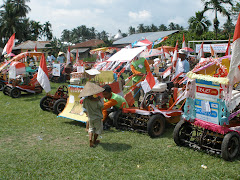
76, 123
114, 147
31, 97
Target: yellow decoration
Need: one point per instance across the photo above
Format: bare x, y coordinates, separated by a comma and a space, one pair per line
226, 63
219, 80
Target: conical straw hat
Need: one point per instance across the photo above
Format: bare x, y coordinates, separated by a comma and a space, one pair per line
90, 89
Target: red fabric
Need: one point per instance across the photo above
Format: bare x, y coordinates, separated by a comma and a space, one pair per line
43, 65
237, 29
10, 44
150, 79
35, 49
228, 47
130, 99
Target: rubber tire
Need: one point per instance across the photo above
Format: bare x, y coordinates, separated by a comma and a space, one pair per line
5, 90
157, 118
2, 85
115, 119
42, 101
176, 131
15, 93
229, 140
56, 105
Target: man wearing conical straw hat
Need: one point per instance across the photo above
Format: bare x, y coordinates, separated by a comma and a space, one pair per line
93, 106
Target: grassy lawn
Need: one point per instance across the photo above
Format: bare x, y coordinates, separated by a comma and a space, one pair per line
36, 144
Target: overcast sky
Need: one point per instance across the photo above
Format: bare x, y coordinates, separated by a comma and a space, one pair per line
111, 15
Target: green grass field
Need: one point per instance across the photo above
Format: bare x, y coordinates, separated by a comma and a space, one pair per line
36, 144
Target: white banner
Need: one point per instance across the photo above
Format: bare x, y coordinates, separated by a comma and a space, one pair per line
56, 70
218, 48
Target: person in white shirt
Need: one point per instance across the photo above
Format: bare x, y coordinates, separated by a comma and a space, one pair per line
182, 63
50, 58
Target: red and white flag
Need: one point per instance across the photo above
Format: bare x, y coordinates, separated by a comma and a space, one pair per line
68, 56
10, 44
183, 42
234, 70
201, 53
148, 83
42, 76
175, 56
167, 72
35, 50
228, 51
77, 56
213, 54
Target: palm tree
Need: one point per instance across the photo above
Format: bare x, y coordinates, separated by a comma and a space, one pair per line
141, 28
36, 29
131, 30
153, 28
46, 30
21, 9
199, 23
162, 27
172, 26
66, 34
217, 6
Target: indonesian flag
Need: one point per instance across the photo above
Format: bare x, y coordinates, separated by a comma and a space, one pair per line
42, 76
201, 53
213, 54
228, 47
183, 42
167, 72
148, 83
35, 50
68, 56
234, 71
77, 56
8, 47
175, 56
163, 53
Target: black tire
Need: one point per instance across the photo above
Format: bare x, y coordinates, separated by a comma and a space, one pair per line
15, 93
156, 125
59, 105
230, 146
44, 103
115, 118
181, 132
2, 84
6, 90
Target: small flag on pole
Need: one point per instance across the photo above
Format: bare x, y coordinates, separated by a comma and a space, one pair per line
10, 44
42, 76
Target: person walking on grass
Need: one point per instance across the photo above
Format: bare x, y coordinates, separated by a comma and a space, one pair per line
93, 105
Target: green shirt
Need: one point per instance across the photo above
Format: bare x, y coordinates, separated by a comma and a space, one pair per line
118, 98
139, 66
94, 109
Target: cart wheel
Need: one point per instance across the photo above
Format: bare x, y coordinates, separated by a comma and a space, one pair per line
6, 90
15, 93
115, 118
59, 105
2, 84
45, 103
149, 99
181, 132
230, 146
156, 125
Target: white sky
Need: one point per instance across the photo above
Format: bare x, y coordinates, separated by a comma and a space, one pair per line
111, 15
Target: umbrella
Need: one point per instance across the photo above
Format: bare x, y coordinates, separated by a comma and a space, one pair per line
150, 52
188, 49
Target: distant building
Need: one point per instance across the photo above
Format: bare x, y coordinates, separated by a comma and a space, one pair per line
85, 47
30, 45
151, 36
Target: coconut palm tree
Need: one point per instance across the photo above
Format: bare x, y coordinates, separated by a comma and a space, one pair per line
131, 30
46, 30
21, 9
66, 35
141, 28
36, 29
162, 27
199, 23
217, 6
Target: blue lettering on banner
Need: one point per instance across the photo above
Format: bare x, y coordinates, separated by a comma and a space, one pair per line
210, 114
209, 83
213, 105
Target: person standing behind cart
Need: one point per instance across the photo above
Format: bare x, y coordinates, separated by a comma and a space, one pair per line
61, 58
182, 63
50, 58
139, 68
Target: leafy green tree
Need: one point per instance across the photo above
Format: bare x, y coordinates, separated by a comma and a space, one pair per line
236, 10
199, 23
66, 35
46, 30
162, 27
141, 28
131, 30
217, 6
172, 26
36, 30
